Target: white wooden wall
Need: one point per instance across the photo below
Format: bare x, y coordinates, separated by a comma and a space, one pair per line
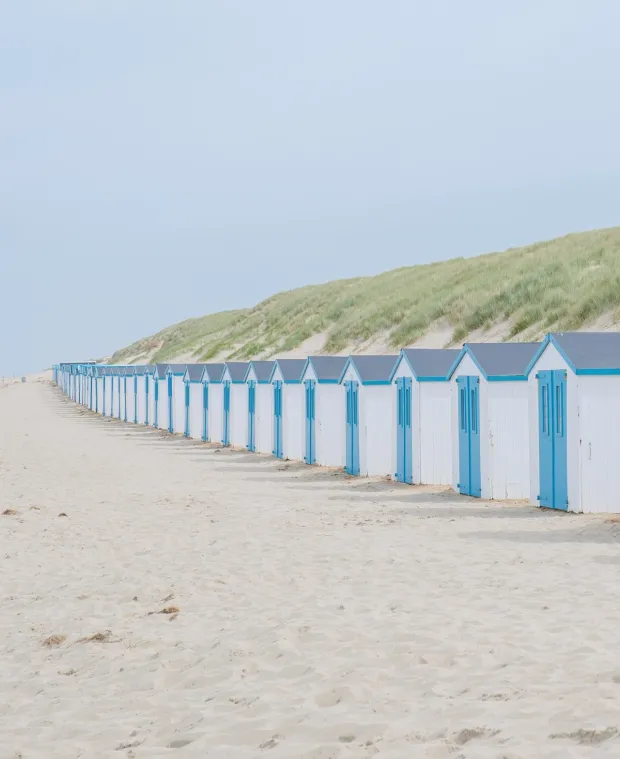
162, 405
178, 401
293, 421
151, 401
130, 401
216, 412
238, 415
141, 398
263, 419
599, 417
195, 410
508, 439
432, 433
330, 424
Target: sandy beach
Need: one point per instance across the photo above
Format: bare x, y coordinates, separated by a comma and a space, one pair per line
161, 598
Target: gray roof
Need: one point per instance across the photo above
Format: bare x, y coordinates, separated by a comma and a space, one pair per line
503, 359
140, 369
291, 368
262, 370
214, 372
128, 371
590, 350
194, 372
237, 370
427, 363
374, 368
177, 368
328, 368
161, 370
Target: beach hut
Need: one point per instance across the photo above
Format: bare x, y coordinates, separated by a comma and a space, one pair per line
149, 394
260, 406
423, 425
324, 436
195, 408
176, 398
490, 420
235, 404
161, 398
574, 401
98, 389
288, 408
214, 401
370, 415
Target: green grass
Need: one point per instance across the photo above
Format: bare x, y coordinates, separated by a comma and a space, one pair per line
563, 284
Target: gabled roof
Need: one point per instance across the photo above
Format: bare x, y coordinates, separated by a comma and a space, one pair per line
178, 369
587, 352
160, 370
140, 369
213, 372
291, 369
129, 371
372, 370
237, 370
500, 361
428, 364
193, 372
262, 370
326, 368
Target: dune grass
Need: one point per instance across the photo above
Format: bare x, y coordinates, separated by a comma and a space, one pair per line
562, 284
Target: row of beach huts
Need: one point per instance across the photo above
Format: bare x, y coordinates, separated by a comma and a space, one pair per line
536, 421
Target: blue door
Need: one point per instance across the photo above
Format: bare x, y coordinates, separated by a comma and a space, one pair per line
105, 380
469, 436
146, 399
170, 405
404, 459
187, 396
111, 396
353, 437
135, 399
310, 457
277, 419
251, 414
125, 399
118, 387
552, 449
226, 432
156, 402
205, 412
96, 395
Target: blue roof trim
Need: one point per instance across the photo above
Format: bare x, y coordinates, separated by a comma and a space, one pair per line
594, 372
404, 357
431, 379
346, 369
457, 361
377, 382
328, 382
399, 361
507, 378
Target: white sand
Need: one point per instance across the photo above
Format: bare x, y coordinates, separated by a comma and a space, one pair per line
319, 617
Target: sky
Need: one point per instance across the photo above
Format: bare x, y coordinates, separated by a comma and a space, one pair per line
161, 160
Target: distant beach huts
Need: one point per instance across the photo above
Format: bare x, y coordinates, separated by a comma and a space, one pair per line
533, 421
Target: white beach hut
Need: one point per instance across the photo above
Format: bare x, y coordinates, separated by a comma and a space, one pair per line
161, 397
324, 436
490, 420
260, 406
195, 408
370, 415
288, 408
176, 395
423, 426
214, 399
106, 402
235, 406
98, 389
574, 401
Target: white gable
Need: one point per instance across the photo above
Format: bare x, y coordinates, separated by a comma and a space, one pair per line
226, 376
402, 369
350, 375
309, 373
550, 358
251, 376
466, 367
277, 375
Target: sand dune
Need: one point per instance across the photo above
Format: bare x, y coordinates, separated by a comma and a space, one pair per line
203, 603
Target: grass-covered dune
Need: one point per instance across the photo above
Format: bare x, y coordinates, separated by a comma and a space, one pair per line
564, 284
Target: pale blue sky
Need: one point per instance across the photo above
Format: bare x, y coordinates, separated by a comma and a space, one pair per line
160, 160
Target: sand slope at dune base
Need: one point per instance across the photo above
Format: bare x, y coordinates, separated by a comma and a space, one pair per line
164, 598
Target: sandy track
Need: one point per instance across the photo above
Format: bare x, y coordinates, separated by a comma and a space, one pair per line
319, 617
